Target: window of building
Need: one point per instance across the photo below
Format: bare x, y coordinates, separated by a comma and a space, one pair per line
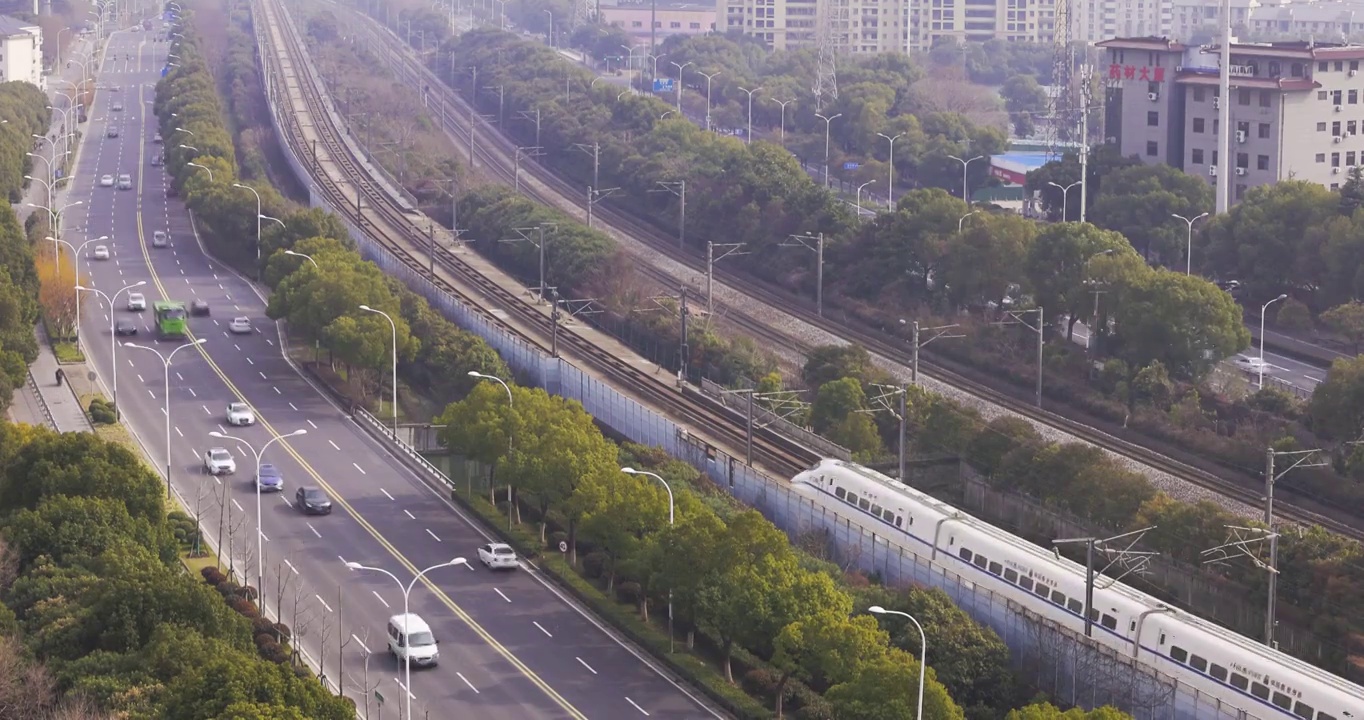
1198, 125
1216, 126
1242, 160
1240, 191
1351, 127
1321, 66
674, 25
1336, 97
1321, 94
1152, 148
1354, 64
1321, 157
636, 23
1152, 118
1335, 129
1335, 159
1352, 97
1265, 100
1340, 66
1198, 94
1350, 158
695, 26
1214, 157
1274, 69
1264, 131
1243, 97
1196, 156
1261, 162
1321, 127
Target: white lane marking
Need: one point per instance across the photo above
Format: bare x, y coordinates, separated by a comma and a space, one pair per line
238, 505
139, 378
584, 664
179, 377
205, 407
267, 537
362, 470
177, 432
409, 514
361, 644
153, 394
504, 597
291, 565
291, 407
541, 628
333, 444
235, 345
428, 532
276, 389
267, 342
192, 393
310, 422
1313, 379
262, 375
324, 602
130, 363
315, 532
636, 706
381, 598
385, 492
466, 682
249, 361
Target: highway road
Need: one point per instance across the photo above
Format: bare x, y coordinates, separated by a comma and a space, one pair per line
512, 645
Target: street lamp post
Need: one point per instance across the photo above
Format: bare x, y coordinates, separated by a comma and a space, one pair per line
709, 77
46, 185
890, 171
965, 164
166, 361
923, 650
671, 511
680, 68
748, 136
258, 218
76, 264
309, 258
113, 339
962, 219
260, 531
407, 593
827, 125
204, 168
783, 104
859, 195
393, 325
1065, 198
1188, 252
1263, 311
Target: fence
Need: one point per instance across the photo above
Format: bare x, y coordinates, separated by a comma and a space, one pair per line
1055, 659
42, 402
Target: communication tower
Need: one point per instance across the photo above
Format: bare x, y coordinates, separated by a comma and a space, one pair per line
830, 16
1061, 100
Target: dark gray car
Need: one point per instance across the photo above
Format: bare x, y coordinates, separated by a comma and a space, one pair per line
313, 501
125, 327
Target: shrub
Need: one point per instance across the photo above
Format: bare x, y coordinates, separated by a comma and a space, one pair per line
628, 592
283, 632
262, 639
555, 538
273, 651
593, 564
760, 682
243, 606
213, 576
102, 412
247, 592
228, 588
262, 626
815, 708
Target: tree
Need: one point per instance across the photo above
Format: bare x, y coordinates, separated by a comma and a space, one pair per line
887, 689
1336, 409
983, 260
70, 530
1184, 322
828, 363
1060, 262
57, 292
1022, 93
828, 649
1348, 320
80, 465
481, 426
1272, 240
835, 402
1139, 202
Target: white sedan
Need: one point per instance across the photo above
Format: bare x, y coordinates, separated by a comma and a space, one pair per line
240, 326
106, 181
496, 556
239, 413
101, 252
218, 461
137, 301
1252, 365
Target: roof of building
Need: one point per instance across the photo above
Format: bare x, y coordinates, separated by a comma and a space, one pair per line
1143, 43
694, 5
10, 26
1022, 161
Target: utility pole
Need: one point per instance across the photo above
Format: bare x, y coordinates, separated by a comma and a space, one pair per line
595, 151
554, 319
903, 392
540, 245
684, 349
939, 332
678, 188
729, 249
1016, 318
526, 115
595, 196
501, 102
787, 400
1090, 544
473, 109
804, 241
516, 163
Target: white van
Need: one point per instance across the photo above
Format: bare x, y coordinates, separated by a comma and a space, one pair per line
416, 641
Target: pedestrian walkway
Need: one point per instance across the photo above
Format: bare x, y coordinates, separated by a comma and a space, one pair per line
47, 402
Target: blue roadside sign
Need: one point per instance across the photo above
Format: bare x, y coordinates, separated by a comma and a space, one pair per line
663, 84
851, 166
165, 70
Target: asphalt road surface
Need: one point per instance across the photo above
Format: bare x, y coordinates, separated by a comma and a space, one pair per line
511, 645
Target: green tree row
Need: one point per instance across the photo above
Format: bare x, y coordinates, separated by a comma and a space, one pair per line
93, 588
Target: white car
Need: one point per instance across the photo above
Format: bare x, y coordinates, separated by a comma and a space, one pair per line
101, 252
1252, 365
218, 461
106, 181
125, 182
160, 239
240, 326
496, 556
137, 301
239, 414
118, 107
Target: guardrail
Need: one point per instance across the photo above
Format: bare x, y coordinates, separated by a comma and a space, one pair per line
382, 431
42, 404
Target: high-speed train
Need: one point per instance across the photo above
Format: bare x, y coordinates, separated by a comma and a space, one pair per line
1241, 673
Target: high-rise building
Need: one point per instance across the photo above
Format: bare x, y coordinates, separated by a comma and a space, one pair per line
21, 51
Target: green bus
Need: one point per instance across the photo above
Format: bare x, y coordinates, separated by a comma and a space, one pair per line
170, 320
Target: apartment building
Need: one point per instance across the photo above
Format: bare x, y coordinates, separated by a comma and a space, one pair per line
1297, 108
671, 18
1333, 20
1095, 20
21, 51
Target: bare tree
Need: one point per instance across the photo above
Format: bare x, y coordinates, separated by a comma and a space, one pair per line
197, 550
77, 707
25, 688
9, 565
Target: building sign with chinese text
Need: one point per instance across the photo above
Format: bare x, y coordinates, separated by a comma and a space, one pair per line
1136, 72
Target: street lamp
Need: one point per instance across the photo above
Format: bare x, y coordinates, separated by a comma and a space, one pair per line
258, 218
187, 132
394, 325
76, 263
783, 104
309, 258
671, 515
260, 532
923, 650
827, 125
964, 165
1263, 311
962, 219
859, 196
680, 68
709, 77
166, 360
1188, 253
46, 185
407, 592
748, 137
202, 167
890, 171
1065, 197
113, 339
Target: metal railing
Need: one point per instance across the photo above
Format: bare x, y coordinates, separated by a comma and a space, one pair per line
42, 403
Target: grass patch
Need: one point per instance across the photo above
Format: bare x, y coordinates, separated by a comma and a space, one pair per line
195, 565
67, 352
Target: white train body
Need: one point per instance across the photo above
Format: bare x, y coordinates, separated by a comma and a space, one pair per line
1240, 672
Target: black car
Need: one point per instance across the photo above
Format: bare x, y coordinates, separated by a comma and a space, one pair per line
312, 501
199, 308
125, 327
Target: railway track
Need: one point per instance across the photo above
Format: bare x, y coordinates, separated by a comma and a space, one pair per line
399, 231
494, 151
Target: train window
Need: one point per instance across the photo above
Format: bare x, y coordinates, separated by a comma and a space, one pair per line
980, 561
1283, 700
1239, 681
1010, 575
1303, 711
1041, 590
840, 493
911, 519
1162, 635
1179, 653
1259, 691
1324, 716
1025, 583
1093, 615
898, 521
1198, 663
1058, 597
1218, 672
996, 568
863, 503
877, 510
1075, 606
1109, 622
964, 554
